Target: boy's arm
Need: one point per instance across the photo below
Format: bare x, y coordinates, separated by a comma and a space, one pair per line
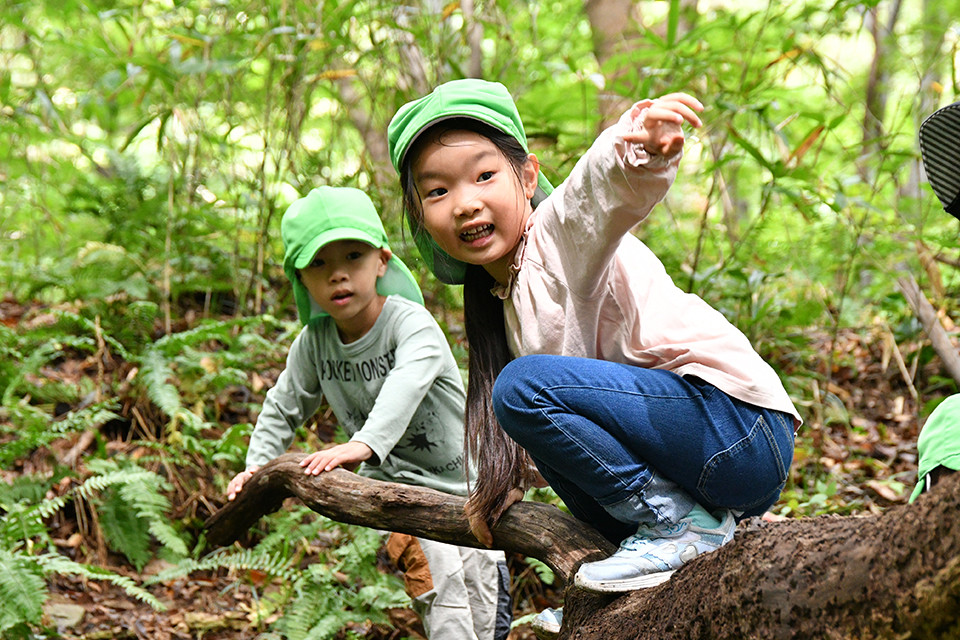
288, 405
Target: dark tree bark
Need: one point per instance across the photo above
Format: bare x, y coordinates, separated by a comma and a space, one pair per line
896, 575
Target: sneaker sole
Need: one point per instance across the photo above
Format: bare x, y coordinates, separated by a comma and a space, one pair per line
546, 630
619, 586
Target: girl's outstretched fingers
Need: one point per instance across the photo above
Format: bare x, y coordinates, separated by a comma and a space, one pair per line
661, 133
670, 106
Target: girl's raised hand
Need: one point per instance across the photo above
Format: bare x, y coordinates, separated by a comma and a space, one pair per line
661, 133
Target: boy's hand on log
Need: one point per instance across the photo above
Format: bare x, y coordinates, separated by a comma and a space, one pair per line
347, 455
238, 481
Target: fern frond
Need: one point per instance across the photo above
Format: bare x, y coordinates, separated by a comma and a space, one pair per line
54, 563
155, 373
22, 590
35, 430
293, 525
40, 356
219, 330
273, 564
132, 508
90, 326
152, 507
24, 521
123, 528
91, 417
108, 477
322, 607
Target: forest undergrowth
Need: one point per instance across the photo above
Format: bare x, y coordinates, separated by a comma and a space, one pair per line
117, 441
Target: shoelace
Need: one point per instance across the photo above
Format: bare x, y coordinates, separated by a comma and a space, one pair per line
646, 533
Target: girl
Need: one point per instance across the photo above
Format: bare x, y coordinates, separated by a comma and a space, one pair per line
650, 415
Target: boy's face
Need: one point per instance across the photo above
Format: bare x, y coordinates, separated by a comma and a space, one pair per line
342, 279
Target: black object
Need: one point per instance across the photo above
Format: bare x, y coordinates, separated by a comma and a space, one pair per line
940, 151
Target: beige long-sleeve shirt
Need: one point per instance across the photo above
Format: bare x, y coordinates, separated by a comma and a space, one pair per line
583, 285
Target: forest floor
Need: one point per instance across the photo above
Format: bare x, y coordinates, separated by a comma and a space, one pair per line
857, 452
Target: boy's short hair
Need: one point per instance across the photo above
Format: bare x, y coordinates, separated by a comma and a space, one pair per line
328, 214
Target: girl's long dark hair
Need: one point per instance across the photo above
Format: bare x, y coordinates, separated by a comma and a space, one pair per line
501, 463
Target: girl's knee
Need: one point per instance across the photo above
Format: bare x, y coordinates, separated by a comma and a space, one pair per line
513, 383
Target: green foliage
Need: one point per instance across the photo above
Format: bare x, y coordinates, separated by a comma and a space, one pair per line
54, 563
22, 591
23, 529
33, 428
323, 604
148, 152
132, 508
273, 564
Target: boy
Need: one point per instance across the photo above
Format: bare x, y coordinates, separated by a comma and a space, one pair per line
383, 364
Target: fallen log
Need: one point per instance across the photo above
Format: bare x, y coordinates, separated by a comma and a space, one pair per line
533, 529
896, 575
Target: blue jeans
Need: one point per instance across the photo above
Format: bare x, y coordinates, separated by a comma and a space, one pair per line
623, 445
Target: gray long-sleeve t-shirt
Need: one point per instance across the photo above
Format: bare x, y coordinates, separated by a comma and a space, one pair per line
397, 389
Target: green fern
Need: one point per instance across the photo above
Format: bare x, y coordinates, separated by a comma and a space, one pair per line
38, 357
132, 508
273, 564
156, 374
25, 523
53, 563
22, 591
323, 606
34, 428
123, 528
222, 330
289, 527
91, 327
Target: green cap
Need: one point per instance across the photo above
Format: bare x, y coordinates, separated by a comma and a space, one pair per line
488, 102
939, 442
328, 214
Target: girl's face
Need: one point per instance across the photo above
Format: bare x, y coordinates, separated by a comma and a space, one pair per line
474, 205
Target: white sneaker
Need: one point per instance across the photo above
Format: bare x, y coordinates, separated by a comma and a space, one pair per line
653, 554
547, 624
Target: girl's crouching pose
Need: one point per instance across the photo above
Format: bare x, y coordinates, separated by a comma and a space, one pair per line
651, 415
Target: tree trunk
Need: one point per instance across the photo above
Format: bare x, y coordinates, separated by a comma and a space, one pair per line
896, 575
927, 315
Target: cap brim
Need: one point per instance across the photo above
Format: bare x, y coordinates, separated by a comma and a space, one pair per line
305, 257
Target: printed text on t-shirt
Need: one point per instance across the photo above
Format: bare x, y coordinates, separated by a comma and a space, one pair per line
366, 370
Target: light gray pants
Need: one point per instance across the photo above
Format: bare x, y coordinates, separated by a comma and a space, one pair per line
459, 593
